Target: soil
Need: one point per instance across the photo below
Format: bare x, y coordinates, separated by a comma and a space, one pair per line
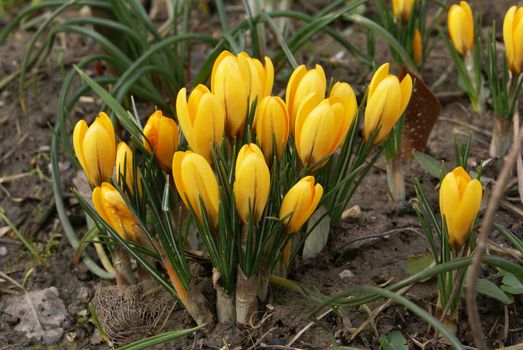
371, 249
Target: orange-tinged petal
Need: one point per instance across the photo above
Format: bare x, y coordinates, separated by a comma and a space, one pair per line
417, 47
406, 92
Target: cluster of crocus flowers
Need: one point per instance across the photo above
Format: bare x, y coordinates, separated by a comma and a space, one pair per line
461, 27
459, 200
513, 38
387, 100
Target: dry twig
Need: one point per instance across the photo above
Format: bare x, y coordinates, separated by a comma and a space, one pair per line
497, 194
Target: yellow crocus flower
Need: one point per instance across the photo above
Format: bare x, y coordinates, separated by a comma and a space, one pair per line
272, 126
513, 37
461, 27
95, 148
161, 136
195, 181
202, 119
124, 168
386, 101
252, 183
299, 203
109, 203
402, 9
238, 81
459, 201
302, 83
320, 129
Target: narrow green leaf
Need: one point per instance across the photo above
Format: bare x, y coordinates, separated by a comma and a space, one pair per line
159, 339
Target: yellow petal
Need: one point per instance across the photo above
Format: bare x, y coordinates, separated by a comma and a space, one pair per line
124, 166
184, 117
467, 211
199, 182
518, 42
98, 204
417, 47
449, 197
209, 125
508, 34
252, 183
269, 77
177, 174
406, 92
299, 203
78, 136
99, 153
295, 78
308, 104
377, 78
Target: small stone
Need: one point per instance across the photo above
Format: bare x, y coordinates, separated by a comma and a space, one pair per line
346, 274
70, 337
3, 251
83, 295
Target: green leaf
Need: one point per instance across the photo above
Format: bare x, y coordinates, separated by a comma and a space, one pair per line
431, 165
511, 284
418, 263
393, 341
159, 339
490, 290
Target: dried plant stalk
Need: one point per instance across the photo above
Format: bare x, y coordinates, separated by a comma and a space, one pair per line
246, 297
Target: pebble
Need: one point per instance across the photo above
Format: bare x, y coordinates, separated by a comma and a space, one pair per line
346, 274
3, 251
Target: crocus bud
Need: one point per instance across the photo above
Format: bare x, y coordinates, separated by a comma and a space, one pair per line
299, 203
95, 148
161, 135
513, 37
301, 84
402, 9
252, 183
459, 202
195, 182
461, 27
109, 203
386, 101
417, 47
272, 126
124, 168
321, 129
202, 119
238, 81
